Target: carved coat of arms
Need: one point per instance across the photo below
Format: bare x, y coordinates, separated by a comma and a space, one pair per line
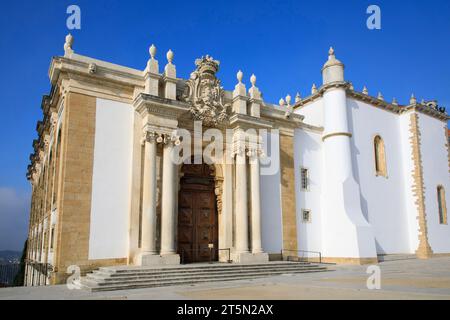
204, 92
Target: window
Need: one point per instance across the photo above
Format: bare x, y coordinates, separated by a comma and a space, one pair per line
52, 237
304, 178
442, 205
380, 157
306, 216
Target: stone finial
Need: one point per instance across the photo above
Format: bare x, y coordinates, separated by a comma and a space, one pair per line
380, 96
239, 76
169, 56
314, 89
281, 102
152, 65
351, 87
254, 91
394, 102
240, 91
288, 99
253, 80
365, 91
152, 51
330, 52
413, 99
298, 98
68, 45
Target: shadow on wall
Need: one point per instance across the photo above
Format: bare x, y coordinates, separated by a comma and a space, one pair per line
306, 146
354, 154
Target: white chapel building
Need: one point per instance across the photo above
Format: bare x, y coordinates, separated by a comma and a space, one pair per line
339, 176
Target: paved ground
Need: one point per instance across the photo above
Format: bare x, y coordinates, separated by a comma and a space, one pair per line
403, 279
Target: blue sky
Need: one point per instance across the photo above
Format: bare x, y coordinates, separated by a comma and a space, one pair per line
284, 43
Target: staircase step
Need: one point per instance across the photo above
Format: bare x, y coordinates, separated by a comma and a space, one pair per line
199, 276
125, 277
150, 272
196, 267
132, 285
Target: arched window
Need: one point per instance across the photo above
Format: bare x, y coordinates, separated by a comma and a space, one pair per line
380, 157
442, 205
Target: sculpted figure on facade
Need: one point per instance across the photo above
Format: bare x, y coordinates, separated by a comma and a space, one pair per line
204, 92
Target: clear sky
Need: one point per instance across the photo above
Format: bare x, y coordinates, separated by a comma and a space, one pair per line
285, 44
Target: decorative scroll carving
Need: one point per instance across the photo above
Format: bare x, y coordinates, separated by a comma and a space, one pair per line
204, 92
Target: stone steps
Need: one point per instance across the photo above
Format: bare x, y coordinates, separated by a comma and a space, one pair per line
114, 278
395, 257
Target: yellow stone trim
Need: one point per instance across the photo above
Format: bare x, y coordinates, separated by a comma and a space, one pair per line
424, 250
288, 205
350, 261
347, 134
75, 191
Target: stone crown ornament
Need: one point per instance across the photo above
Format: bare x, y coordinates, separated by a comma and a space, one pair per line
204, 92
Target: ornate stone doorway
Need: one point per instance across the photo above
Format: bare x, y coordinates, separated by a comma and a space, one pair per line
197, 214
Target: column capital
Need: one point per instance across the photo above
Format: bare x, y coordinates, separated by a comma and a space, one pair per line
254, 153
148, 136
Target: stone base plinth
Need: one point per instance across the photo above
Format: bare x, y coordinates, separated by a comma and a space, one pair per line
153, 259
251, 257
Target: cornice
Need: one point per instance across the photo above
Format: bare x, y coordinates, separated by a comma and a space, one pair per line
248, 122
278, 116
148, 104
381, 104
105, 72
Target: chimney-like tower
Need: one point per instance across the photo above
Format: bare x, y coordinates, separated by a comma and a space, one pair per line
347, 235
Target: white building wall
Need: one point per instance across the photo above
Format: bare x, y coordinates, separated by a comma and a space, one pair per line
111, 180
313, 113
382, 199
407, 168
308, 154
271, 219
435, 172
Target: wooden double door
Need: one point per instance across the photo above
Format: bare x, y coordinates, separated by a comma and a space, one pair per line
197, 215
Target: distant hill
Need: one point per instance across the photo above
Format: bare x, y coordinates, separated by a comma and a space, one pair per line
9, 256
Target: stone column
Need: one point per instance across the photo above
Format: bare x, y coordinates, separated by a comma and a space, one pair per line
241, 203
256, 201
148, 245
168, 201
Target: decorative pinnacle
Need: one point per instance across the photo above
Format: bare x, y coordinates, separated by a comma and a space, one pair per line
281, 102
169, 56
394, 101
314, 89
298, 98
351, 86
365, 91
331, 52
69, 40
413, 99
152, 51
380, 96
253, 80
288, 99
239, 76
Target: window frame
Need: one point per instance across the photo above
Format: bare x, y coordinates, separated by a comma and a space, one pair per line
379, 156
302, 168
309, 220
442, 205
